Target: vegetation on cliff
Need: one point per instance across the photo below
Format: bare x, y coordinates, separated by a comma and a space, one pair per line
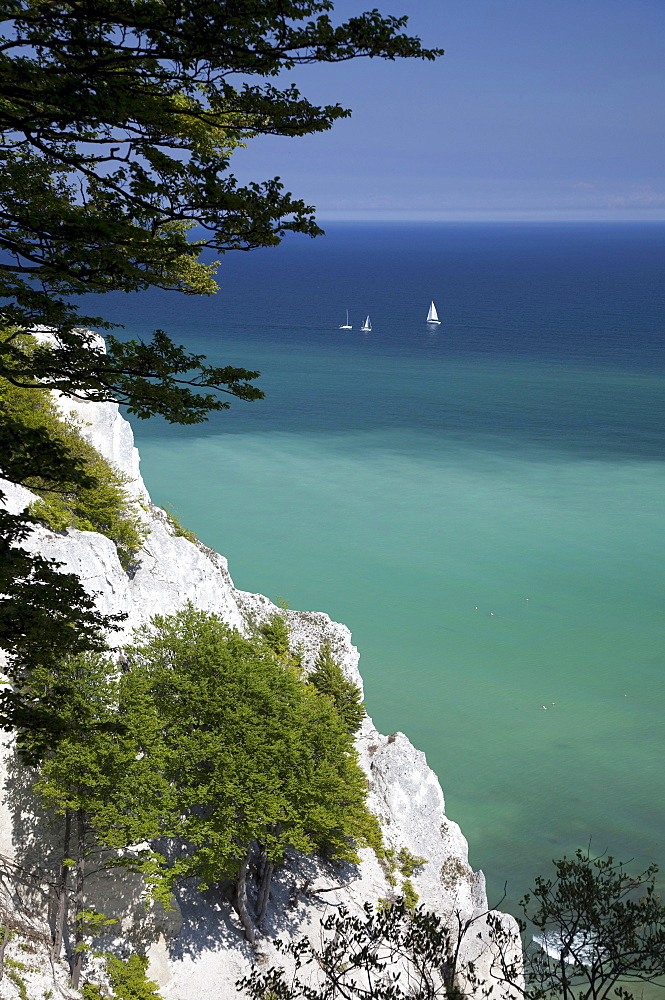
601, 935
329, 680
207, 740
128, 981
99, 503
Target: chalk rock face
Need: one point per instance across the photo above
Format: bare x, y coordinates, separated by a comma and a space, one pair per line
198, 950
406, 792
110, 434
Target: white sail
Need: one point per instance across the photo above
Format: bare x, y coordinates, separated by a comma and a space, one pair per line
347, 325
432, 315
367, 326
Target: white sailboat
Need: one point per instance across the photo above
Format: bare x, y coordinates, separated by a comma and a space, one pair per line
347, 325
367, 326
433, 316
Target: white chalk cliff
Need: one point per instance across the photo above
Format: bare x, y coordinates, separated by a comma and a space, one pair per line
197, 950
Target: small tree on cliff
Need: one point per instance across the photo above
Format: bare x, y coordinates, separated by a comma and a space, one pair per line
258, 761
276, 634
328, 679
103, 778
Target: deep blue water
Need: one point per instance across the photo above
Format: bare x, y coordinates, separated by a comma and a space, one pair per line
402, 479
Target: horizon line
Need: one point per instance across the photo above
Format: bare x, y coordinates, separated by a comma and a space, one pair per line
433, 217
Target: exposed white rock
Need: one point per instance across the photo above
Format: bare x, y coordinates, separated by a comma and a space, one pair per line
197, 950
406, 794
111, 435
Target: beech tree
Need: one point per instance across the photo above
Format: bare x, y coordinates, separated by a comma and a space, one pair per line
103, 775
204, 739
276, 635
119, 118
258, 761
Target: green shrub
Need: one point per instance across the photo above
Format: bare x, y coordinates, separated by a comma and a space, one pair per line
20, 985
128, 979
102, 505
409, 894
409, 863
176, 527
328, 678
274, 632
401, 862
90, 992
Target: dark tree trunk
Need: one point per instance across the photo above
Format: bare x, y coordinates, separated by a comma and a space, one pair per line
264, 891
241, 900
77, 959
61, 891
266, 870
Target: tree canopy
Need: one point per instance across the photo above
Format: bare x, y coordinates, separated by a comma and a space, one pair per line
207, 741
257, 756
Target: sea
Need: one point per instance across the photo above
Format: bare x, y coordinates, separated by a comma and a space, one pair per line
481, 502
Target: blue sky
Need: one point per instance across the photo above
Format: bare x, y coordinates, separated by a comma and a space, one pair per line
540, 109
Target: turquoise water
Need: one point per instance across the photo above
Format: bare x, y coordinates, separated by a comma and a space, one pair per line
482, 504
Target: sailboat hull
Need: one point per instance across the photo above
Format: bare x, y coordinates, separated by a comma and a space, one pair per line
347, 325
